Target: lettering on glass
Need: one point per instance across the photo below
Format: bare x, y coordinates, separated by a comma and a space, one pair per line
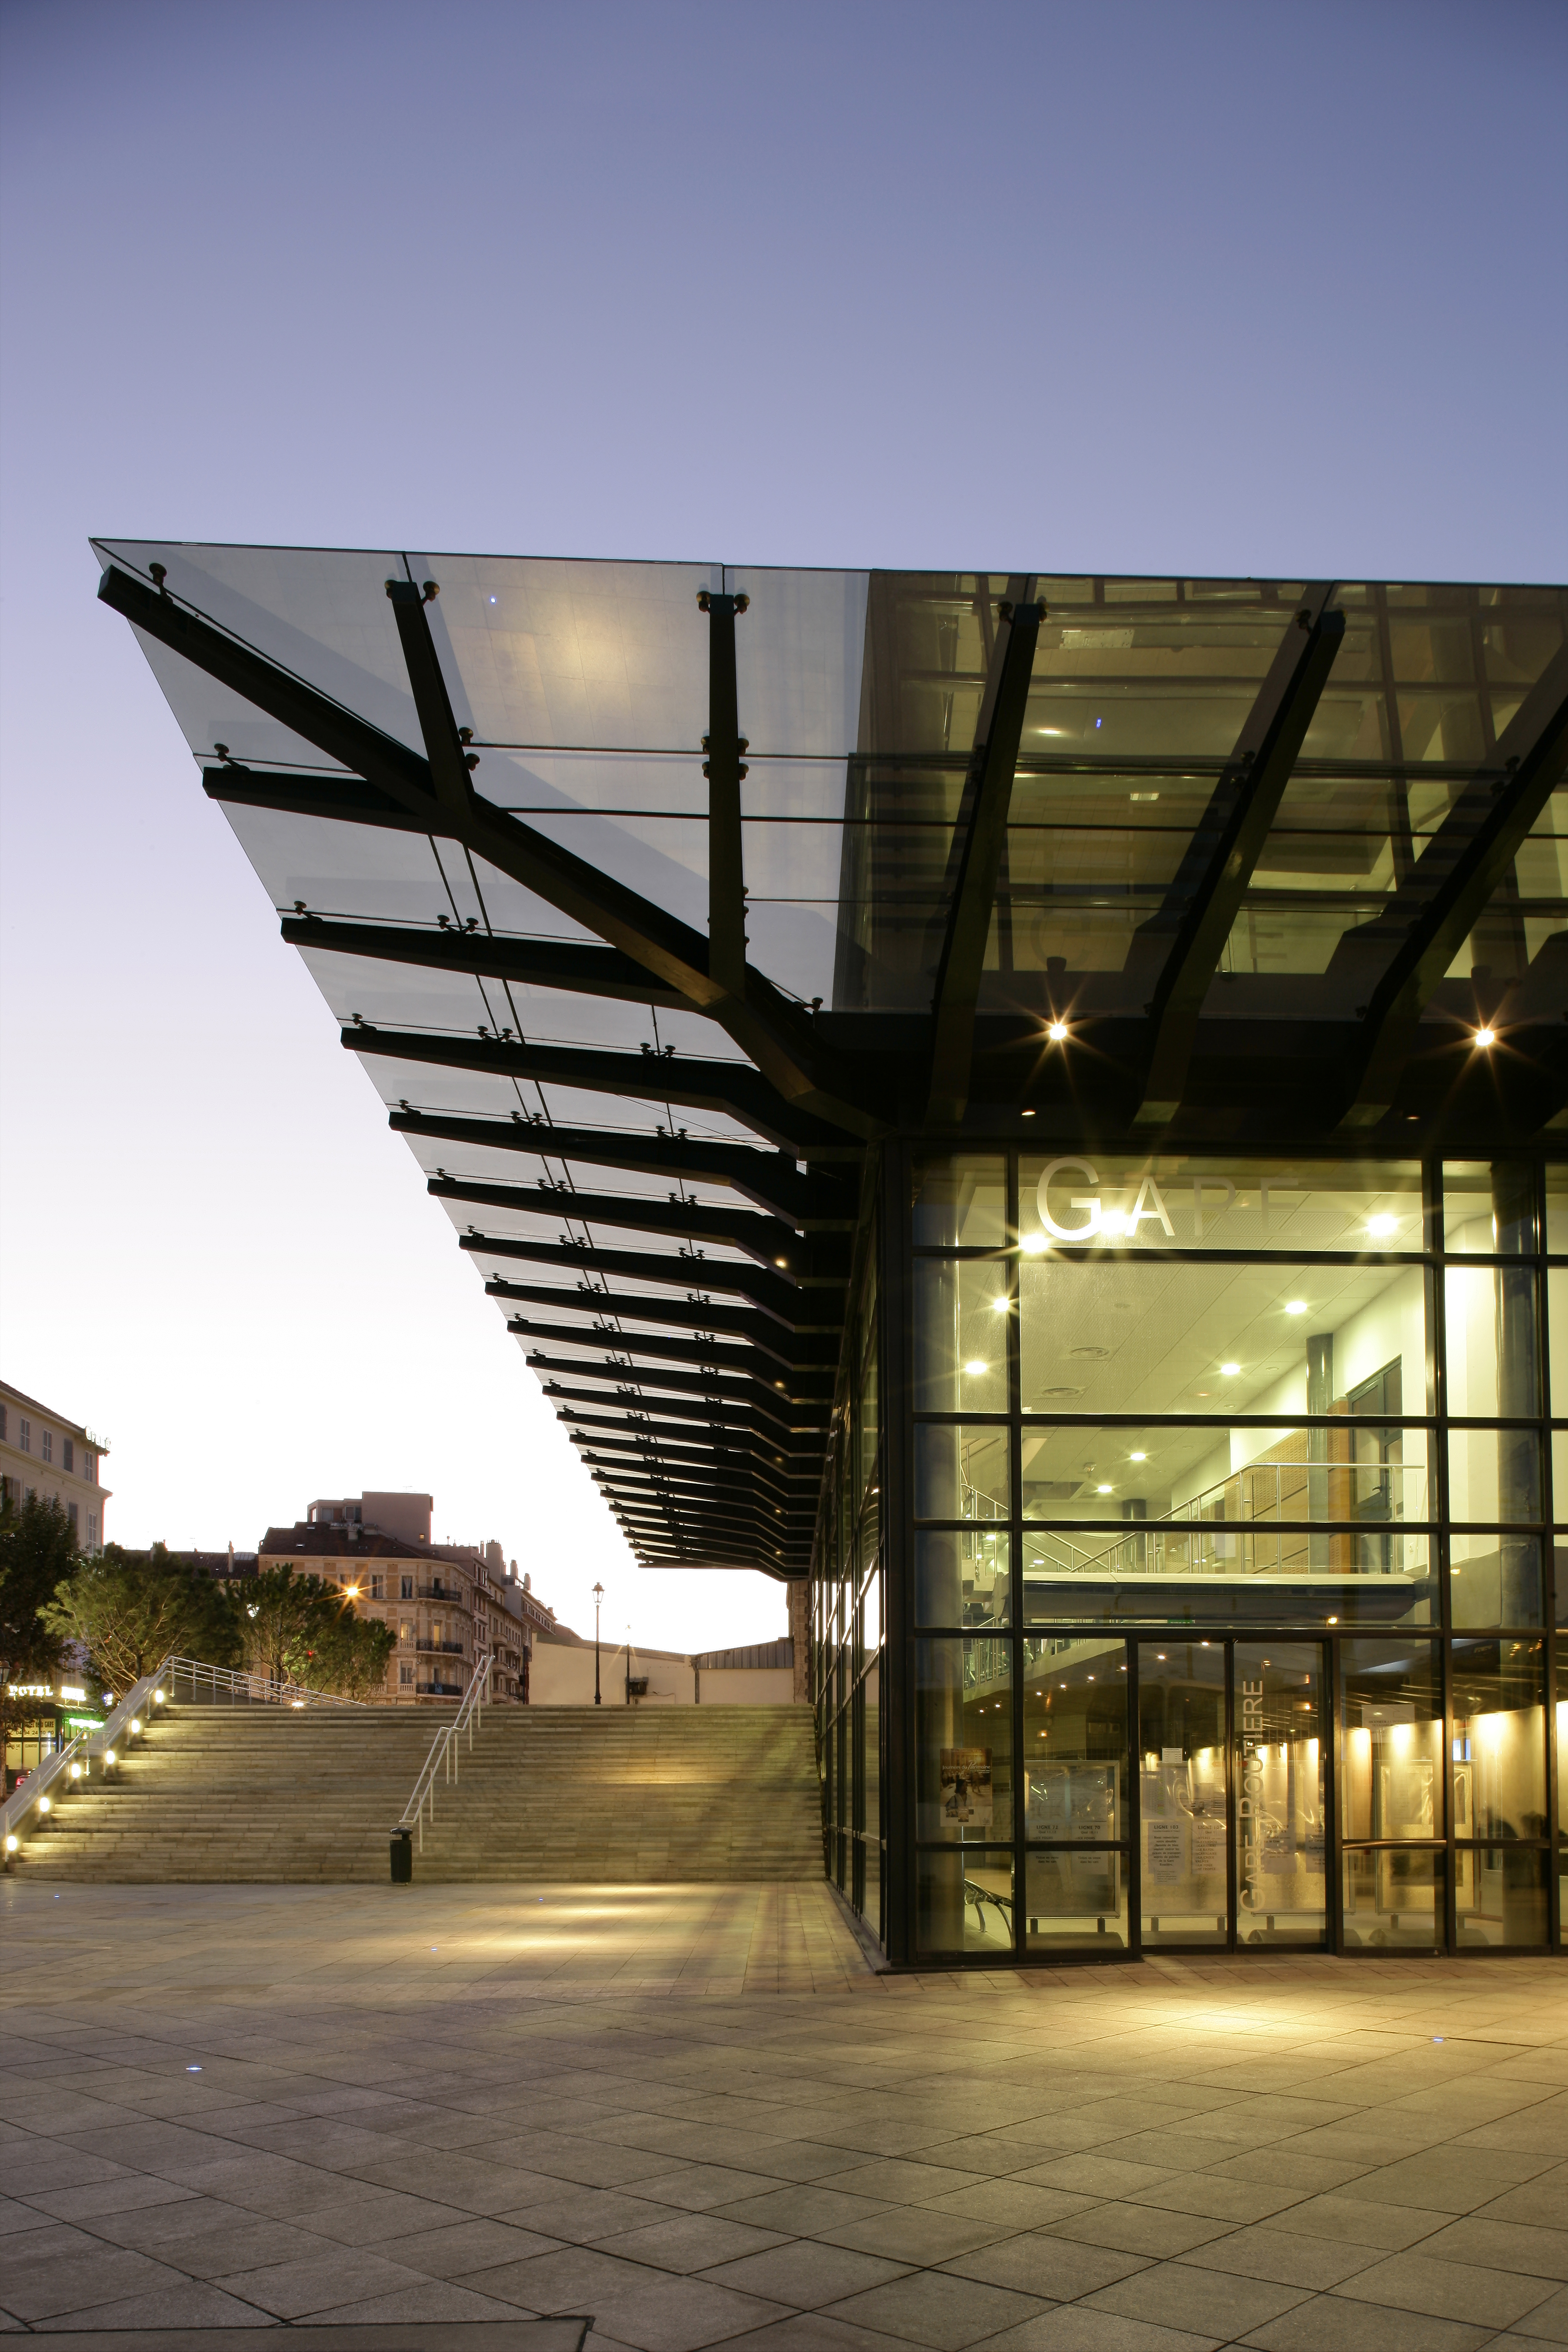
1085, 1216
1249, 1803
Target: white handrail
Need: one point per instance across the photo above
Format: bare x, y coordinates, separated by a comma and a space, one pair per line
444, 1750
31, 1803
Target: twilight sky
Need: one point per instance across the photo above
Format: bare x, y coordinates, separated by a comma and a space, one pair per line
1250, 289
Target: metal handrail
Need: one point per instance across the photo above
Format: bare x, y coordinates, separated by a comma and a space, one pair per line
74, 1761
443, 1756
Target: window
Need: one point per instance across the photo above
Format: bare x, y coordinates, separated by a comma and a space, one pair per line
47, 1445
406, 1630
68, 1453
89, 1465
93, 1530
71, 1513
375, 1588
25, 1435
406, 1590
5, 1426
405, 1676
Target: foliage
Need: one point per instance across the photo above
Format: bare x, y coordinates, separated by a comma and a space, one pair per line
129, 1610
302, 1629
37, 1547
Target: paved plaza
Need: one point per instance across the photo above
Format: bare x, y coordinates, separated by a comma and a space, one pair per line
697, 2116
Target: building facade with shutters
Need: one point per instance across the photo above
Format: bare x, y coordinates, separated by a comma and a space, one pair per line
1035, 1105
43, 1452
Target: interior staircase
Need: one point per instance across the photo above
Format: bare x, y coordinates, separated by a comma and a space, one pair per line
582, 1795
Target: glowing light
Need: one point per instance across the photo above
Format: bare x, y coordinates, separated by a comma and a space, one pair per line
1056, 1032
1034, 1244
976, 1368
43, 1804
1230, 1370
11, 1845
1382, 1224
1138, 1457
1295, 1307
109, 1755
1102, 1490
1485, 1038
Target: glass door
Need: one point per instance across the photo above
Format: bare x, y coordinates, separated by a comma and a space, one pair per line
1232, 1793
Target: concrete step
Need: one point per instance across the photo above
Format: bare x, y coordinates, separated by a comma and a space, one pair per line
581, 1794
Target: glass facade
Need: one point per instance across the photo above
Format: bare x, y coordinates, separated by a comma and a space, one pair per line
1034, 1103
1216, 1576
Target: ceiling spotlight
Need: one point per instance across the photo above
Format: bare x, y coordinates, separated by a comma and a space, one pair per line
1295, 1307
975, 1367
1102, 1490
1230, 1370
1382, 1224
1138, 1457
1057, 1030
1485, 1037
1034, 1244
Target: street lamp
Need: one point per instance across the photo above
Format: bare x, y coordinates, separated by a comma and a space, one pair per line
598, 1597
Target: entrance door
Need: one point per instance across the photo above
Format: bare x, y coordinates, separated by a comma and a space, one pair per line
1233, 1743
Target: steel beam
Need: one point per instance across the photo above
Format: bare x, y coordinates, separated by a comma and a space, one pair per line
724, 769
730, 1089
789, 1350
1400, 956
769, 1179
988, 796
1184, 941
764, 1239
800, 1384
566, 964
796, 1308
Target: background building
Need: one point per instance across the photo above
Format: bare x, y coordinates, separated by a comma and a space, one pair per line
43, 1452
444, 1603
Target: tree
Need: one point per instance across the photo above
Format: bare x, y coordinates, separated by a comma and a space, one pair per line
129, 1610
302, 1630
37, 1547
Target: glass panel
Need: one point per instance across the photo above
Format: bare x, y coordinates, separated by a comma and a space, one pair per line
959, 1204
1392, 1756
961, 1334
1488, 1210
961, 1471
1182, 1792
1500, 1740
964, 1902
1076, 1902
1563, 1740
1557, 1209
1364, 1474
1161, 1200
1491, 1320
1557, 1329
1394, 1900
964, 1576
1075, 1742
1495, 1580
1500, 1896
1560, 1475
964, 1741
1494, 1473
1279, 1779
873, 1765
1177, 1336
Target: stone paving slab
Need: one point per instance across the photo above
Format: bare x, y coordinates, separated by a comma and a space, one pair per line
671, 2119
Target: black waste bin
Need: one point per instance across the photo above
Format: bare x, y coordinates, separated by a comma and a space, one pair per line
403, 1858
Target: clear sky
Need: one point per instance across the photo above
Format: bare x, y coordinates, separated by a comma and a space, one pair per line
1258, 287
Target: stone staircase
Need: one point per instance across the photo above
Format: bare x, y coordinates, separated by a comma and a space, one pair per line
612, 1795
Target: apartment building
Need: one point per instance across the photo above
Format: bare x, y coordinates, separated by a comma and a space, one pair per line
43, 1452
444, 1603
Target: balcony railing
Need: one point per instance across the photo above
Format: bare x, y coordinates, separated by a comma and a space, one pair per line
441, 1649
450, 1593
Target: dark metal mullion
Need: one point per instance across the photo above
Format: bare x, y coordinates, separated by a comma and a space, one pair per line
1438, 1346
898, 1589
1015, 1552
1327, 1729
1231, 1781
1134, 1802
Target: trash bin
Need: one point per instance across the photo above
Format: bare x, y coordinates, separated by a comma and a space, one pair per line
403, 1858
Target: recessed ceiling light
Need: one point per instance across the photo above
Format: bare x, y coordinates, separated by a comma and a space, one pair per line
1382, 1224
1230, 1370
1138, 1457
975, 1367
1057, 1031
1295, 1307
1102, 1490
1485, 1037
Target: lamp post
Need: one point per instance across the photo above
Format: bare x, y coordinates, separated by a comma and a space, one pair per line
598, 1597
